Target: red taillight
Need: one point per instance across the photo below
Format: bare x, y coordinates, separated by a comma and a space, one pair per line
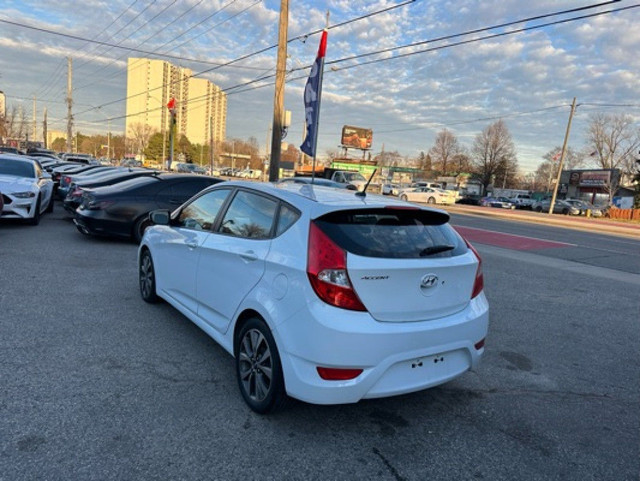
478, 284
66, 179
479, 345
335, 374
327, 271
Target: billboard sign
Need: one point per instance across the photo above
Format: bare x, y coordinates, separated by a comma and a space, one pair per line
356, 137
595, 178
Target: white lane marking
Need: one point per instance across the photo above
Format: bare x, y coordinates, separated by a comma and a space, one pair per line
516, 235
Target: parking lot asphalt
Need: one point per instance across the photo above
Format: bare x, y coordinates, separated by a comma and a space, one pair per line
96, 384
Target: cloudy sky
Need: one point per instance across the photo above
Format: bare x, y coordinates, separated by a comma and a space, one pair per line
406, 95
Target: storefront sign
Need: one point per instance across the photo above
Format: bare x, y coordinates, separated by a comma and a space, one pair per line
594, 178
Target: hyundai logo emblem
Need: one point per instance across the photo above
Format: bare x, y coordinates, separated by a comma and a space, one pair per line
428, 281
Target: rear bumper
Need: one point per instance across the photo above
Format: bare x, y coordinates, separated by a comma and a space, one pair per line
94, 223
396, 357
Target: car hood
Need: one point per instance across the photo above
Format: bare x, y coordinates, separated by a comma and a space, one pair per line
13, 182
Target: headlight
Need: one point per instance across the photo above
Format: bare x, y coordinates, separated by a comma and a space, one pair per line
24, 195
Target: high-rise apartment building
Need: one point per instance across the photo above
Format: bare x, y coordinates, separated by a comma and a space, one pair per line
199, 103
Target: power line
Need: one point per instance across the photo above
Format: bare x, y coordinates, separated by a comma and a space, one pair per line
121, 29
107, 28
130, 49
487, 37
241, 58
480, 30
433, 49
479, 39
100, 69
141, 63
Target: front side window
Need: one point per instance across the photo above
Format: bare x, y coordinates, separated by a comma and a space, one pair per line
201, 213
250, 216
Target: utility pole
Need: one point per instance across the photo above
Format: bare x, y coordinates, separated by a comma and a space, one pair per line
278, 99
564, 149
34, 134
211, 147
69, 103
44, 129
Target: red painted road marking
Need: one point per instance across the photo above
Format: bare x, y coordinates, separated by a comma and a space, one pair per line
508, 241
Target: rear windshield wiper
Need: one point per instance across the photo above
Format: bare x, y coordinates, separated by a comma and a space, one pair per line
436, 249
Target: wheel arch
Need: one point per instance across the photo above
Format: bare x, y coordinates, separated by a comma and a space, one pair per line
241, 320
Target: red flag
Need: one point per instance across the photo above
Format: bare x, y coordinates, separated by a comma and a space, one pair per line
172, 104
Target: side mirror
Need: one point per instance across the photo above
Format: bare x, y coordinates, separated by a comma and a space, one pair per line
160, 217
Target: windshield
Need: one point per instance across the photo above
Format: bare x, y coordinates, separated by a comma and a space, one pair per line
351, 176
17, 168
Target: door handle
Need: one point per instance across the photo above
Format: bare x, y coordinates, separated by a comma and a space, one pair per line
249, 256
191, 245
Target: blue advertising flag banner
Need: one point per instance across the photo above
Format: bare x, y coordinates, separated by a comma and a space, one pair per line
312, 95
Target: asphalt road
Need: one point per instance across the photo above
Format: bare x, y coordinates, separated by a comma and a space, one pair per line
96, 384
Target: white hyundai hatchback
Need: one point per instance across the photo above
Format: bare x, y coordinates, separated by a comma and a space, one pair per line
320, 294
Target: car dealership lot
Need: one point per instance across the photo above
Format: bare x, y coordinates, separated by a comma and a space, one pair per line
98, 384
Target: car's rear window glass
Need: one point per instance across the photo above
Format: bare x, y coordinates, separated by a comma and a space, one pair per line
393, 233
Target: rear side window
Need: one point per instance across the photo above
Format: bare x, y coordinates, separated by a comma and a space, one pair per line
393, 233
287, 218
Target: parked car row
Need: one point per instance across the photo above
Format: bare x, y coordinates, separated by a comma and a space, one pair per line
119, 204
240, 173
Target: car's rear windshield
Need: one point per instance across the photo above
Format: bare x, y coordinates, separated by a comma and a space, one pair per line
393, 233
17, 168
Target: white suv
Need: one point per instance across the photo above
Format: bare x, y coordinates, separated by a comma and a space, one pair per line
320, 294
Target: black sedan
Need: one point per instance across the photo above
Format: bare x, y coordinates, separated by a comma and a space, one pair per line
122, 209
469, 199
77, 188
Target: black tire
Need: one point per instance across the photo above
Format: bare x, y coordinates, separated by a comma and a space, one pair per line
35, 220
141, 225
147, 278
403, 197
539, 209
565, 211
49, 209
431, 200
257, 356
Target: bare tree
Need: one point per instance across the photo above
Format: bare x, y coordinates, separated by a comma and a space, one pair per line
13, 125
140, 134
613, 140
445, 148
494, 155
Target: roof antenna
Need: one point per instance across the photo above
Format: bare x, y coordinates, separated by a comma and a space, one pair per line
364, 191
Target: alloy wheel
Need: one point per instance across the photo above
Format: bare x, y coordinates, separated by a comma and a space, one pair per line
255, 365
147, 278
